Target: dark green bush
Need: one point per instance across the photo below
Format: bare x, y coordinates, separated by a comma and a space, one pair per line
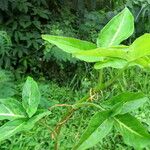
25, 21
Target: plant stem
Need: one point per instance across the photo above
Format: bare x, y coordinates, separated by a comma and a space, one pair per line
100, 80
69, 113
88, 104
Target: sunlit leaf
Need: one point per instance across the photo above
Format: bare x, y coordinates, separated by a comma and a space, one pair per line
143, 63
140, 47
118, 29
68, 44
10, 128
102, 52
11, 109
114, 63
30, 96
133, 132
99, 126
130, 101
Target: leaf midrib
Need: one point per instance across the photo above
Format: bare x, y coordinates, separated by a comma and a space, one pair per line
92, 133
116, 34
10, 115
12, 131
130, 129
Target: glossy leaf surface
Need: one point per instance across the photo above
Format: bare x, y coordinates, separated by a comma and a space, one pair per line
99, 126
140, 47
133, 132
118, 29
11, 109
10, 128
102, 52
130, 101
114, 63
30, 96
68, 44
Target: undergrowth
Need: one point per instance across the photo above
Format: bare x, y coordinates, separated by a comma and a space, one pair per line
41, 138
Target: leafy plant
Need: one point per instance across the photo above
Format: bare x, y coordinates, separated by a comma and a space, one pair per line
114, 112
109, 53
25, 28
21, 116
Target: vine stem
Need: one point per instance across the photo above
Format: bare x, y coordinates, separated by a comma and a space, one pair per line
70, 112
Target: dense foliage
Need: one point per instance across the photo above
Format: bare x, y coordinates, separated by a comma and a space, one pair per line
70, 104
24, 21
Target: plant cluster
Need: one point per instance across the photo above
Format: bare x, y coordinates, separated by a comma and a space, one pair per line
24, 22
108, 52
114, 112
21, 116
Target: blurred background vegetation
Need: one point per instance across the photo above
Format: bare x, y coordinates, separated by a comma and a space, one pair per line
61, 78
22, 22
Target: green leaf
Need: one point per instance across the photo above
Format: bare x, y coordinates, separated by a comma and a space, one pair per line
140, 47
68, 44
130, 101
111, 52
30, 96
133, 132
10, 128
117, 29
114, 63
143, 63
89, 58
31, 122
99, 126
11, 109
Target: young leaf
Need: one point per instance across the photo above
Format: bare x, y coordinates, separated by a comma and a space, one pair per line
99, 126
67, 44
10, 128
130, 101
140, 47
11, 109
118, 29
30, 96
133, 132
31, 122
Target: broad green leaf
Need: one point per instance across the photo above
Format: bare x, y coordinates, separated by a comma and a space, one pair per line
102, 52
114, 63
30, 96
11, 109
10, 128
117, 29
116, 109
143, 63
99, 126
89, 58
72, 45
133, 132
140, 47
68, 44
130, 101
31, 122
